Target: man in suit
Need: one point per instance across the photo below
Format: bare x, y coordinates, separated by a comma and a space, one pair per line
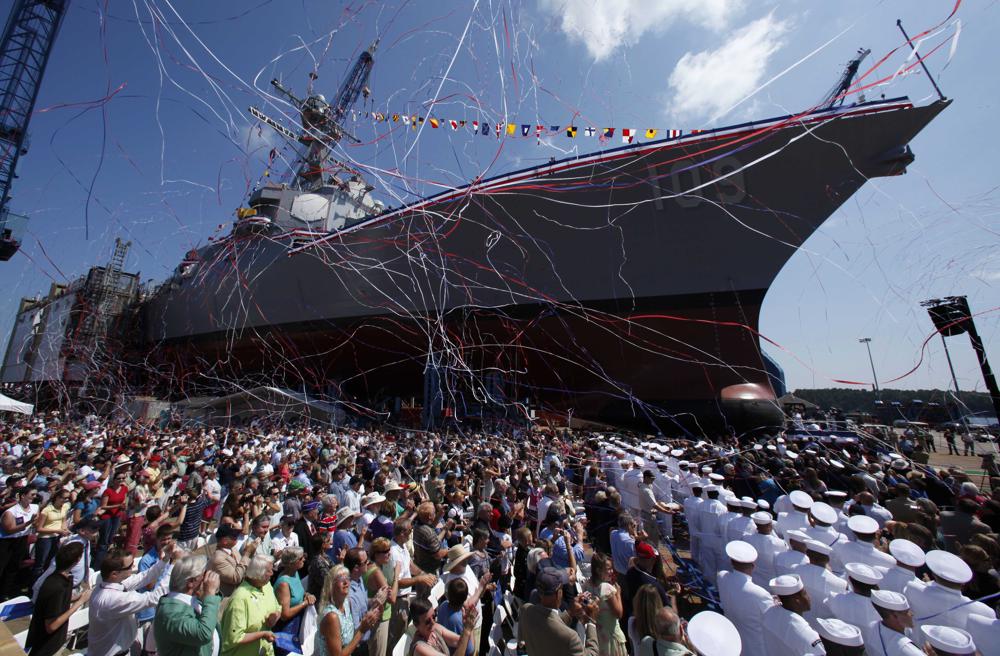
186, 618
226, 561
545, 631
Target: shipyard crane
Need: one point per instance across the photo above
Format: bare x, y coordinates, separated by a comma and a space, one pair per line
24, 52
836, 96
321, 121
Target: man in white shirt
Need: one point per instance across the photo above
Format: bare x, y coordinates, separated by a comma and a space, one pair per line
818, 580
941, 601
888, 636
767, 545
743, 601
855, 606
862, 549
785, 631
411, 578
113, 626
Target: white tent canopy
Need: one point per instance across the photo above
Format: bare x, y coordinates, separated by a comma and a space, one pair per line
8, 404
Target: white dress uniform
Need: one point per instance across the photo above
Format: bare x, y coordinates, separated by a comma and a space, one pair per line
852, 608
825, 534
630, 490
768, 547
896, 578
745, 602
936, 604
789, 521
821, 583
692, 512
858, 552
789, 634
880, 640
740, 528
663, 492
985, 633
711, 547
787, 561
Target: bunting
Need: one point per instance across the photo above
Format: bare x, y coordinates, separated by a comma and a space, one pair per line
500, 129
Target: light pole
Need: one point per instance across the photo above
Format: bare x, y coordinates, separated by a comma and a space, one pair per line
867, 341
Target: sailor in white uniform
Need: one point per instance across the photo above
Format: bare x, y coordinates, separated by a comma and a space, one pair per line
787, 561
768, 545
819, 581
947, 640
630, 486
743, 601
909, 557
733, 508
889, 635
797, 518
855, 606
663, 492
822, 517
941, 601
741, 527
692, 513
786, 632
862, 549
711, 541
839, 638
985, 633
835, 499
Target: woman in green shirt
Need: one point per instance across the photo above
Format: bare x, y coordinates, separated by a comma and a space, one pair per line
252, 611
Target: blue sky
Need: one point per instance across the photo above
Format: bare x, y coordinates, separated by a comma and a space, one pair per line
169, 157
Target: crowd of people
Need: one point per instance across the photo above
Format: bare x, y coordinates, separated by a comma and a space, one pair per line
273, 539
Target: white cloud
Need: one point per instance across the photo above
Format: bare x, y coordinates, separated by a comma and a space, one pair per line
709, 82
605, 25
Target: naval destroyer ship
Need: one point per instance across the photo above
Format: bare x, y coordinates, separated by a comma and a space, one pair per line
622, 286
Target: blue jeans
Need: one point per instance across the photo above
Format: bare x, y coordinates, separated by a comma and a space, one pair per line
109, 528
45, 549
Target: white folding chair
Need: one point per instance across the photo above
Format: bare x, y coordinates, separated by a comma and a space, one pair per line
402, 645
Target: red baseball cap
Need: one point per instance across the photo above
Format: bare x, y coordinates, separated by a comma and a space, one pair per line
644, 550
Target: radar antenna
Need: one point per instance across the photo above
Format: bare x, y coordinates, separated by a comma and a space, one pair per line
321, 121
836, 96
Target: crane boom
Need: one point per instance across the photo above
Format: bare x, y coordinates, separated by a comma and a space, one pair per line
24, 52
354, 85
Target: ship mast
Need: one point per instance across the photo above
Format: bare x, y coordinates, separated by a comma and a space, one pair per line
836, 96
322, 122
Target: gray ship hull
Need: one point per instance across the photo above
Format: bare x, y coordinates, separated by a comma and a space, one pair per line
622, 286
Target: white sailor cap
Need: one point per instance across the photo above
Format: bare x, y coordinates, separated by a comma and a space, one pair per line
836, 495
889, 600
798, 536
800, 499
692, 465
711, 488
718, 478
818, 547
786, 584
862, 524
948, 566
781, 440
907, 553
839, 632
733, 501
639, 461
676, 452
947, 639
791, 454
741, 552
682, 463
763, 505
712, 634
758, 447
706, 469
750, 499
761, 518
836, 464
748, 503
771, 447
863, 573
900, 465
823, 512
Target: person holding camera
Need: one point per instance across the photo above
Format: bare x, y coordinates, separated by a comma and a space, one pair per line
544, 630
